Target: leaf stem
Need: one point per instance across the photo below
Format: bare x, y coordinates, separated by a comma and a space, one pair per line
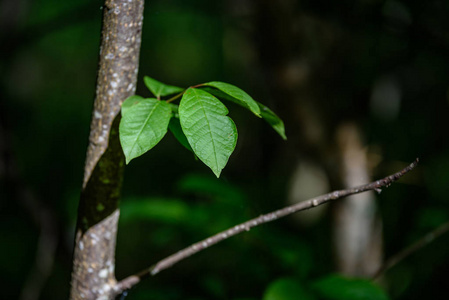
180, 94
175, 97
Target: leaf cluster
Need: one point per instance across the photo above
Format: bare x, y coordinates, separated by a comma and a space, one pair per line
200, 122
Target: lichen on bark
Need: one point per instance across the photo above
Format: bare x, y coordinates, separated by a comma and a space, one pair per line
94, 252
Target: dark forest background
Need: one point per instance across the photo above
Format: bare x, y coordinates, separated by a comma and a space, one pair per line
379, 68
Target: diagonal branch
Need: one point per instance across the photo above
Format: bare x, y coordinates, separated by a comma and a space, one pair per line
246, 226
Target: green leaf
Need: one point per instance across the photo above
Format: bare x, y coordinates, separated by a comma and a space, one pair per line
129, 102
211, 134
336, 287
175, 128
236, 95
174, 108
264, 112
286, 289
160, 89
143, 126
272, 119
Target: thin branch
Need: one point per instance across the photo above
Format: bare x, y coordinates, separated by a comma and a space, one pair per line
424, 241
246, 226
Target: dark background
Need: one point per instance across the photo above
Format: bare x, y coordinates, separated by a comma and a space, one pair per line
381, 65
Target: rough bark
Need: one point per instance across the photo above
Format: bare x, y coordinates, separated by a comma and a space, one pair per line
94, 252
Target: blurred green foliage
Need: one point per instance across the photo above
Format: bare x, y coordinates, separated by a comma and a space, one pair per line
47, 86
335, 287
286, 289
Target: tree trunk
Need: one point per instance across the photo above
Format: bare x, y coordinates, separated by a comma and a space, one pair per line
357, 226
94, 252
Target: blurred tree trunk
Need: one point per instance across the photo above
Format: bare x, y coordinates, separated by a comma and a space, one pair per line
301, 54
357, 227
94, 252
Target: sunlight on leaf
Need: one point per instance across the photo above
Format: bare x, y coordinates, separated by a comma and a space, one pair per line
129, 102
211, 134
267, 114
143, 126
160, 89
272, 119
237, 95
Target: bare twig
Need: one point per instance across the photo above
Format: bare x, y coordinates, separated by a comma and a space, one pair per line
422, 242
246, 226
